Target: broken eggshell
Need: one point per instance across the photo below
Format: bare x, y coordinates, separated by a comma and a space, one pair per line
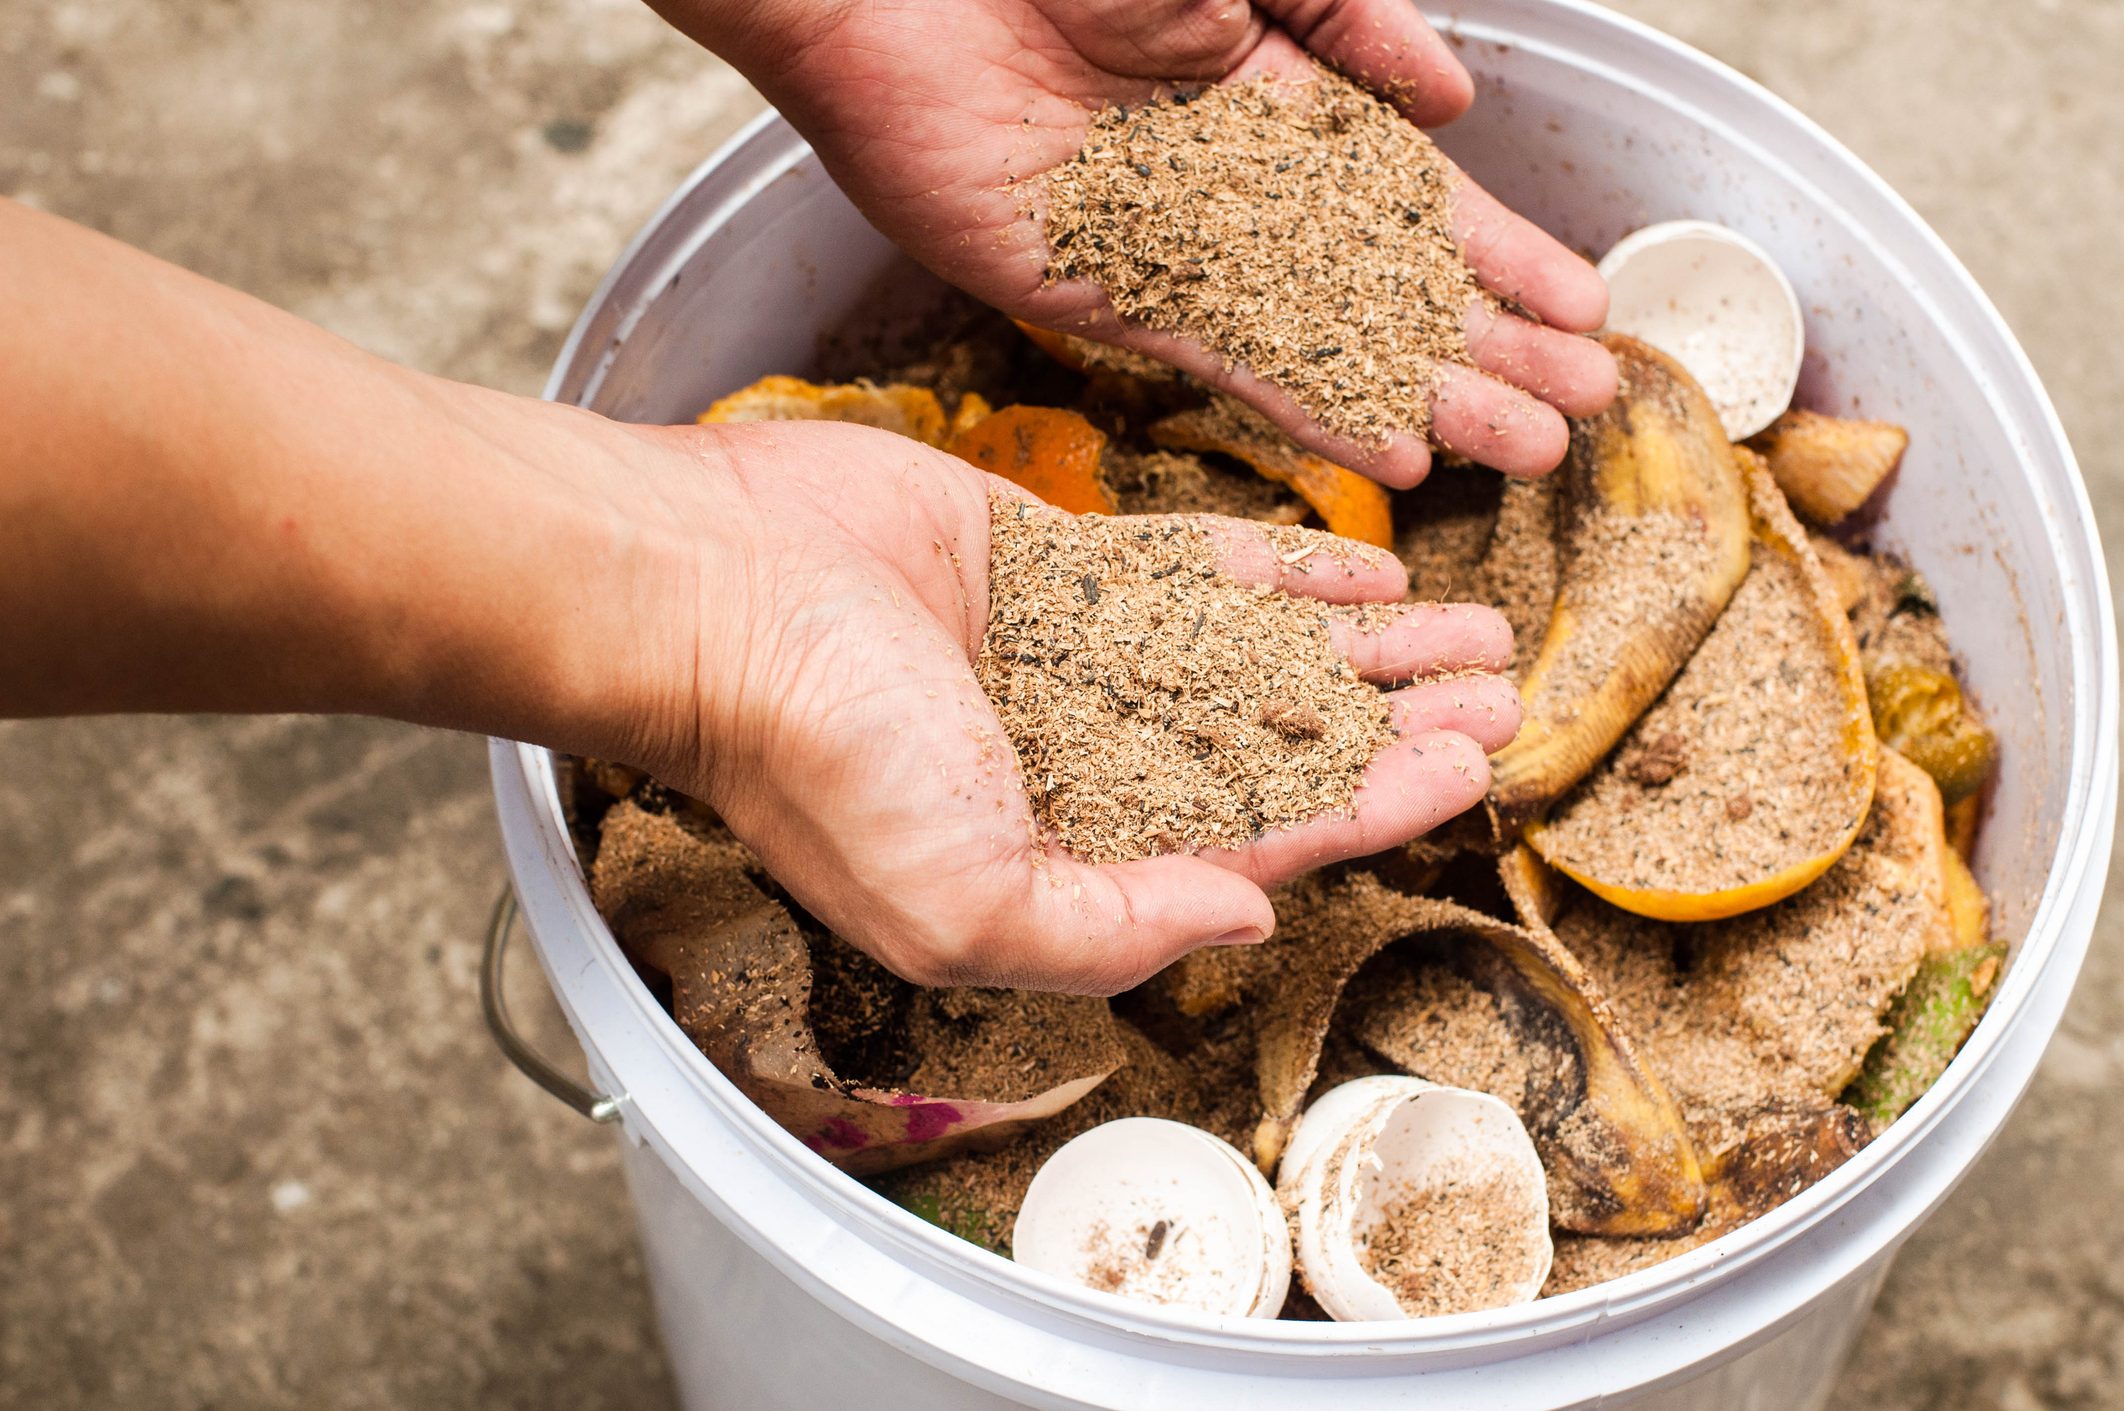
1369, 1144
1717, 302
1160, 1212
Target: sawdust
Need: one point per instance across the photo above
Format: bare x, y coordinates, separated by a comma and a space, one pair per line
1518, 572
1444, 529
1176, 482
976, 1195
1156, 706
1433, 1022
1455, 1244
1301, 230
1624, 568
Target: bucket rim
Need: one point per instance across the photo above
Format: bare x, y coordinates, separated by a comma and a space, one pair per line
767, 148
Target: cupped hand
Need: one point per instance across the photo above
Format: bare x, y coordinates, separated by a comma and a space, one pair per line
932, 113
817, 689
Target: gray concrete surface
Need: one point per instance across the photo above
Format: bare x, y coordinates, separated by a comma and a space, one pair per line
255, 1149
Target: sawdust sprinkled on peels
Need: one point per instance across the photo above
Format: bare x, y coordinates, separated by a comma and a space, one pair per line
1302, 230
1157, 706
1626, 567
1738, 770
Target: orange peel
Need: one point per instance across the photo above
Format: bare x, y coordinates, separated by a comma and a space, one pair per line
1349, 504
1778, 533
1051, 452
1082, 355
911, 411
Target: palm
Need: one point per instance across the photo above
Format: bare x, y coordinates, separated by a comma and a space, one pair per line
933, 114
857, 754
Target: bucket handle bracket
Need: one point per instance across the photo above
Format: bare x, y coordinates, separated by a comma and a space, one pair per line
529, 1061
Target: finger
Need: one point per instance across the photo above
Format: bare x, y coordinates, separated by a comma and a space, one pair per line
1159, 39
1409, 788
1571, 373
1484, 708
1428, 639
1474, 414
1387, 46
1518, 260
1101, 930
1400, 463
1307, 563
1497, 425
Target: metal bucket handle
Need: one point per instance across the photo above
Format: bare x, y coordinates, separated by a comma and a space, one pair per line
528, 1060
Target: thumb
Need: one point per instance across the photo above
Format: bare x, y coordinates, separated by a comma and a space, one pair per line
1101, 930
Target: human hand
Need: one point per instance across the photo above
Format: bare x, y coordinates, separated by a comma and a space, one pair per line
928, 112
817, 690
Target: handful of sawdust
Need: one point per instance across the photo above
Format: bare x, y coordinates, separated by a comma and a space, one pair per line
1303, 230
1155, 705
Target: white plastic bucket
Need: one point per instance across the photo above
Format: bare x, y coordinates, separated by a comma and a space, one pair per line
781, 1283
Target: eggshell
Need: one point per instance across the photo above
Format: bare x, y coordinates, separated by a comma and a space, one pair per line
1717, 302
1161, 1212
1365, 1145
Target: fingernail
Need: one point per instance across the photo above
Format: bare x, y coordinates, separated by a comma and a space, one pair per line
1244, 936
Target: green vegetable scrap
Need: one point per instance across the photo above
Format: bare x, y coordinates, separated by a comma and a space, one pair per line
1926, 1026
908, 1191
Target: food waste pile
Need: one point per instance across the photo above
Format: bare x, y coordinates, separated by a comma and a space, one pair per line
1712, 931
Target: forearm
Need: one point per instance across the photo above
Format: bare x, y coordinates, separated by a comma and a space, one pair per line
206, 504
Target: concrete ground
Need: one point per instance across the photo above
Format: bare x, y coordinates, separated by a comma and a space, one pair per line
255, 1149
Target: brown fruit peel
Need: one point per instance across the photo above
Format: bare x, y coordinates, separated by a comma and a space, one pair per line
913, 412
1776, 532
1784, 1149
1051, 452
741, 981
1658, 449
1349, 504
1828, 466
1639, 1173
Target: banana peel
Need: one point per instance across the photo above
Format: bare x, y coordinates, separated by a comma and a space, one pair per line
1657, 462
1785, 1147
1349, 504
741, 972
1963, 815
1619, 1159
1056, 454
913, 412
1607, 800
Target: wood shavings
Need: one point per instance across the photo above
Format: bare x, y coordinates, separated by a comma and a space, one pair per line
1301, 230
1156, 706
